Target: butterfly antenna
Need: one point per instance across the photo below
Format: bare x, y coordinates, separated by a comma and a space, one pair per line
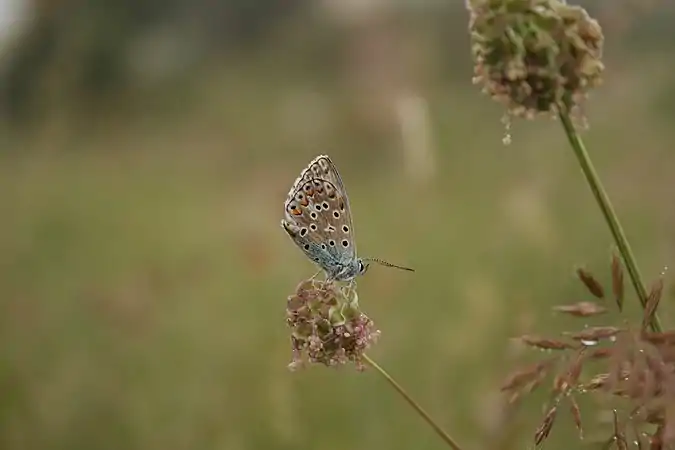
388, 264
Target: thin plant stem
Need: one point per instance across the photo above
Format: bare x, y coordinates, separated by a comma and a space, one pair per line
607, 210
437, 428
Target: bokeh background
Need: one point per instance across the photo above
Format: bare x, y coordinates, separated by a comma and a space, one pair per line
146, 149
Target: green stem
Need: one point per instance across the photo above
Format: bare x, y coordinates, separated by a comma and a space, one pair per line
607, 210
445, 436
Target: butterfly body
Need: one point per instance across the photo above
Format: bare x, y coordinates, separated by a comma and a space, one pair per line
339, 266
319, 221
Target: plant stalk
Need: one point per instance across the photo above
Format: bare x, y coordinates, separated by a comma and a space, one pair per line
607, 210
428, 419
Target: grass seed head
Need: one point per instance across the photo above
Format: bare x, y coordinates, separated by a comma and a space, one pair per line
652, 304
528, 375
545, 343
581, 309
617, 281
594, 334
591, 283
576, 415
546, 425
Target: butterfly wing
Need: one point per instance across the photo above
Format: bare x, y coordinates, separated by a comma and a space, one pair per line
322, 168
317, 221
317, 216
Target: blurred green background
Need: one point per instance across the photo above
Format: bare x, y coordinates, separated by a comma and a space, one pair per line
146, 149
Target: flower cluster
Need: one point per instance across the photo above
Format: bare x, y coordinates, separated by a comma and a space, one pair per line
535, 55
327, 325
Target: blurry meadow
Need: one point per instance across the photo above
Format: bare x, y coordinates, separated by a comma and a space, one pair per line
145, 155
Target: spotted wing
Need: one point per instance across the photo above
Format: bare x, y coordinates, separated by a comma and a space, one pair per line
322, 168
317, 219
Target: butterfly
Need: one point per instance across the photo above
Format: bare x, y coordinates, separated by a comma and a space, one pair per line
318, 220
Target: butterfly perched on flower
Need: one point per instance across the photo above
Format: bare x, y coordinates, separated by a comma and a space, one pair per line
319, 221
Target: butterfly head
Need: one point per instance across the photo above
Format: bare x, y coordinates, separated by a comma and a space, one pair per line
359, 267
362, 266
348, 270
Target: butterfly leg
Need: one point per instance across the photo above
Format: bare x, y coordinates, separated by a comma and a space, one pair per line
315, 275
327, 281
351, 287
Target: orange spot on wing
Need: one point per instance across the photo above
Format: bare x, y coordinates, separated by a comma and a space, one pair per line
296, 212
304, 201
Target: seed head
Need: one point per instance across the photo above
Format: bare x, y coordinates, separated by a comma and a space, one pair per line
534, 55
327, 326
